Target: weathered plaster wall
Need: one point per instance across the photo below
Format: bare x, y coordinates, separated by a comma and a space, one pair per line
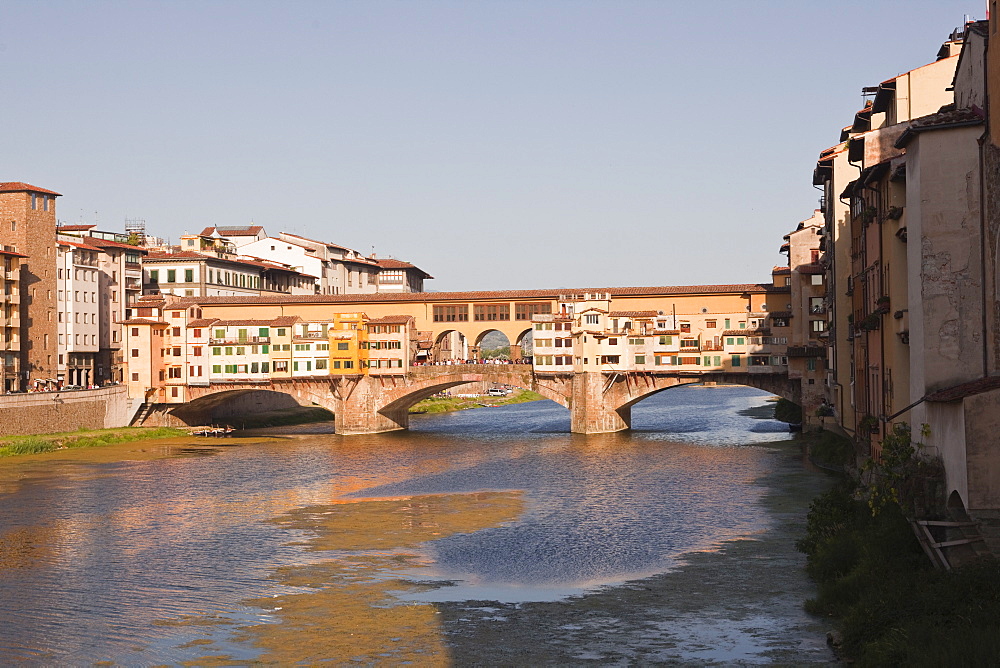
982, 444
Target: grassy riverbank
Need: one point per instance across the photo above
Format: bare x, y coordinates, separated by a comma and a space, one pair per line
11, 446
449, 404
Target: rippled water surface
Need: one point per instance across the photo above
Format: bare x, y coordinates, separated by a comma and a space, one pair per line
258, 549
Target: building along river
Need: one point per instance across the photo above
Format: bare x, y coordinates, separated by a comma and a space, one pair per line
490, 536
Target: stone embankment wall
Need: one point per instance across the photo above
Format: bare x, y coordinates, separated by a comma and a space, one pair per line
49, 412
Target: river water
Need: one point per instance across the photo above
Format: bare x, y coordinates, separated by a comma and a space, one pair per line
490, 536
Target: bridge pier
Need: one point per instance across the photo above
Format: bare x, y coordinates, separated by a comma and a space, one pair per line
363, 410
590, 410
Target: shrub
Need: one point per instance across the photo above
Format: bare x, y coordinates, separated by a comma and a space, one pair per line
787, 411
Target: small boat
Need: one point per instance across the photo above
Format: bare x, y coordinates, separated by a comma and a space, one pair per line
213, 431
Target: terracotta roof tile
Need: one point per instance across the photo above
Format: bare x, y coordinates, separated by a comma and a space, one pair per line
955, 118
633, 314
20, 187
513, 295
201, 322
74, 228
76, 245
95, 241
392, 320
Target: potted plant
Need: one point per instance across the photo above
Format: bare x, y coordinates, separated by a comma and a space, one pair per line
894, 213
882, 305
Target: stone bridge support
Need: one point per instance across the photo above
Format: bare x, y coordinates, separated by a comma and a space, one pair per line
599, 402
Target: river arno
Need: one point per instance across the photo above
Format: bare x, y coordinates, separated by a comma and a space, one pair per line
489, 536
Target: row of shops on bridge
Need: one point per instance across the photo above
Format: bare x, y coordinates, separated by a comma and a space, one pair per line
172, 345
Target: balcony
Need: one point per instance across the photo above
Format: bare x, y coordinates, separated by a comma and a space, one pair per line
313, 335
240, 341
133, 284
12, 275
11, 299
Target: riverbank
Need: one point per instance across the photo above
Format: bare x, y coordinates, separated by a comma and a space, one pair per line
449, 404
12, 446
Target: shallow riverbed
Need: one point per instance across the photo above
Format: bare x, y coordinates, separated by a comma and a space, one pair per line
489, 536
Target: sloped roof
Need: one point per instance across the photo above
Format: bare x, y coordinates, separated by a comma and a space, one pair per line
954, 118
20, 187
392, 320
964, 390
392, 263
513, 295
633, 314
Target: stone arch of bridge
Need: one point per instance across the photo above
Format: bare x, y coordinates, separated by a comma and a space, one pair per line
489, 330
628, 390
199, 410
403, 397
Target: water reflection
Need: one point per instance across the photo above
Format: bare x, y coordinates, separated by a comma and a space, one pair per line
280, 549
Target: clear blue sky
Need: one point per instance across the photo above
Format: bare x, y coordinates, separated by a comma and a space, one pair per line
495, 144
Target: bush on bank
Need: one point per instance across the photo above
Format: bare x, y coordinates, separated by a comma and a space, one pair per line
30, 445
787, 411
892, 607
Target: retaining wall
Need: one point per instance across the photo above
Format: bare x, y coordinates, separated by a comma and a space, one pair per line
49, 412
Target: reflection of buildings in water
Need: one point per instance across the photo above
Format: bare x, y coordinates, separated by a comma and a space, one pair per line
353, 613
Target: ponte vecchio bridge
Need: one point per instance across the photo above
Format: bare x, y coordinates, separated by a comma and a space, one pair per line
599, 400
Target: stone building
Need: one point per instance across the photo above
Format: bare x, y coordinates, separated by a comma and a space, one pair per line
28, 227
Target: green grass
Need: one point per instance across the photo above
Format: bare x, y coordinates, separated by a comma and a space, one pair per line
11, 446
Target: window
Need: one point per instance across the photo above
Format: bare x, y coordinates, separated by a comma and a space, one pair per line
262, 331
817, 325
220, 333
171, 275
229, 350
216, 368
176, 331
154, 275
196, 351
174, 372
451, 313
135, 352
343, 345
591, 319
135, 331
635, 342
740, 341
265, 349
216, 351
320, 364
135, 377
491, 312
177, 352
666, 340
711, 324
686, 327
707, 361
728, 323
640, 359
524, 310
240, 350
736, 360
281, 331
189, 275
817, 279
